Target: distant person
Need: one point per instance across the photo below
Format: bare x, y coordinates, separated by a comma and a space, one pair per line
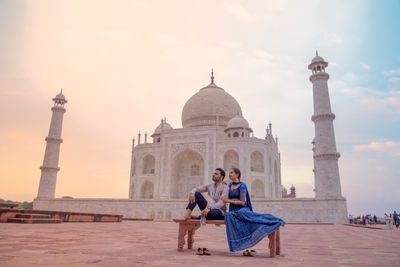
351, 219
388, 222
214, 208
396, 219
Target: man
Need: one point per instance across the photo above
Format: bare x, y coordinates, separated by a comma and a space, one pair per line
351, 219
396, 221
214, 208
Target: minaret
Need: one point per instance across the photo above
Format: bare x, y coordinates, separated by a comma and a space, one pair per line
132, 173
327, 179
48, 177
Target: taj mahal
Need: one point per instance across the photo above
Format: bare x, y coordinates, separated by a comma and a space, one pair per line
214, 134
166, 165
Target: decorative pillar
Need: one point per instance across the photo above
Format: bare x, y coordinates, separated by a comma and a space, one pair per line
49, 169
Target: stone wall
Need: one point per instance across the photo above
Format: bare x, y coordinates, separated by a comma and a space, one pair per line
299, 210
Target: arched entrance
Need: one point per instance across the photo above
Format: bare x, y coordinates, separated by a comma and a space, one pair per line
187, 173
147, 190
257, 189
257, 161
231, 160
148, 166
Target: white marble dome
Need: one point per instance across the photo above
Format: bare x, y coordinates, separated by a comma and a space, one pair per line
238, 122
317, 59
164, 126
210, 106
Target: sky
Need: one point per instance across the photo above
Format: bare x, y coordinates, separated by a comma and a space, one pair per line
123, 65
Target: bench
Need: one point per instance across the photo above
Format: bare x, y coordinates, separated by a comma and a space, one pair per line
189, 227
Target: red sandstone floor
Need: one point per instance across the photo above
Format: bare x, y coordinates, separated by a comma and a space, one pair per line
139, 243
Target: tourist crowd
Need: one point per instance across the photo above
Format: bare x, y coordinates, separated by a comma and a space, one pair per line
388, 220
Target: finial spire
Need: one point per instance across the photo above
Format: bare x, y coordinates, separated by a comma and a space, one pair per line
61, 90
316, 53
270, 127
212, 75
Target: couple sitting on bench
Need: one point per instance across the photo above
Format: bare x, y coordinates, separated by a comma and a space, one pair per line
244, 228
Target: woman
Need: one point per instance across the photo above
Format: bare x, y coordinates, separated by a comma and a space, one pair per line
245, 228
388, 221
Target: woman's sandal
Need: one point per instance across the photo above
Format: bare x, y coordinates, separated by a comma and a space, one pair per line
250, 253
203, 251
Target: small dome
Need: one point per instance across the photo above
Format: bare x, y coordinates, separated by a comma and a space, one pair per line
238, 122
317, 59
60, 96
164, 126
60, 99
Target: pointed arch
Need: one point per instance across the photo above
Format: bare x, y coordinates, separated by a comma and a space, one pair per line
231, 160
257, 161
187, 172
195, 170
148, 164
257, 189
147, 190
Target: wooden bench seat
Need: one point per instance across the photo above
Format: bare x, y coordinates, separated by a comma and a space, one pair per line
189, 227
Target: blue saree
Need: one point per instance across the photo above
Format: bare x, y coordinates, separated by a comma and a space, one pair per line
245, 228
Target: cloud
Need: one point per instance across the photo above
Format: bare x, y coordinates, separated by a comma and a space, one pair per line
350, 77
365, 66
390, 147
333, 64
370, 99
393, 79
392, 72
263, 54
394, 83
